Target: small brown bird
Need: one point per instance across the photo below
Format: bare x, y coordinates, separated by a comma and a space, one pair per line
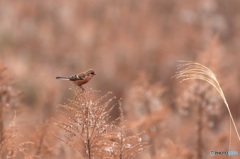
80, 78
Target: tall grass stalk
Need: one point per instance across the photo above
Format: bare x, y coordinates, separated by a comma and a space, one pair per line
192, 70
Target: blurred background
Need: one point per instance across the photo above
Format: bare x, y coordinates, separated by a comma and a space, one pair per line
134, 47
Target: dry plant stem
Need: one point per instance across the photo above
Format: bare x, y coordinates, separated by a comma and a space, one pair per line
230, 136
39, 148
1, 120
41, 141
121, 133
200, 111
199, 132
1, 113
192, 70
1, 124
88, 137
151, 140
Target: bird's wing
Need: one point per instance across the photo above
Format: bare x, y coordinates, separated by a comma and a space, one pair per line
76, 77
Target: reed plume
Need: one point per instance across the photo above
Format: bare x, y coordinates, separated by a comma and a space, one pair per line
192, 70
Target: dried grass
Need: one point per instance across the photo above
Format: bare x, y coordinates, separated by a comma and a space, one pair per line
192, 70
88, 128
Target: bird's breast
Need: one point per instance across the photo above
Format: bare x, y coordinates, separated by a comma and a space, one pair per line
81, 82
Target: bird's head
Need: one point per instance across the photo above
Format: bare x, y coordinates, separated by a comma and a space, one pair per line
90, 72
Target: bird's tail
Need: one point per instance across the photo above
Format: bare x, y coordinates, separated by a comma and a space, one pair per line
62, 78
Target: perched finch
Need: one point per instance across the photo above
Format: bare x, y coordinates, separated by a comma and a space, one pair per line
80, 78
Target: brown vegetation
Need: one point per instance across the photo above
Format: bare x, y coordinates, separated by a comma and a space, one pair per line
134, 47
